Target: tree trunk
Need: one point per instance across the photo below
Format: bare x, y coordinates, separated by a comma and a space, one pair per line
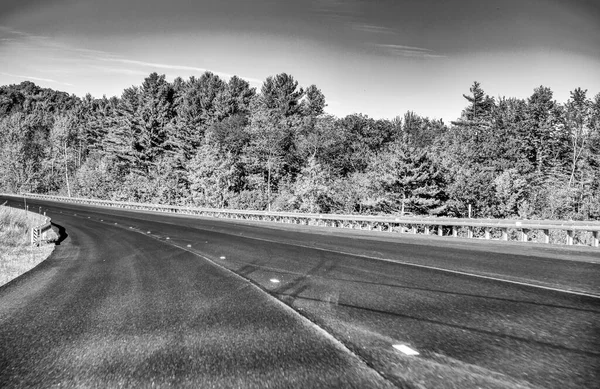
269, 182
576, 152
402, 209
67, 172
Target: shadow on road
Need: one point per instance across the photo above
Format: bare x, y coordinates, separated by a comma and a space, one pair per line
62, 233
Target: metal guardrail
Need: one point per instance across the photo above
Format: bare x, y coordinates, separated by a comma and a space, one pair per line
543, 231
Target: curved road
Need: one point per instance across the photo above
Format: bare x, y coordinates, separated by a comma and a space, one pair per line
132, 299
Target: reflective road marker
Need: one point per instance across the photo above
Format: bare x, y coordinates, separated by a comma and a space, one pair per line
405, 349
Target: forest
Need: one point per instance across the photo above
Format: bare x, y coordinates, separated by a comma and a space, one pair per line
221, 143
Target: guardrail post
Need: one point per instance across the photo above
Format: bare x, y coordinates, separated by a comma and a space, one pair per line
426, 230
440, 231
454, 231
569, 237
487, 233
469, 232
546, 236
524, 235
504, 234
413, 229
595, 238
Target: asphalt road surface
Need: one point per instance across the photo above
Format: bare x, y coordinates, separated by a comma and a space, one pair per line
133, 299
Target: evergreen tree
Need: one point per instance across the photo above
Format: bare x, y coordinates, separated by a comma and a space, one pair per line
314, 103
407, 178
280, 95
542, 140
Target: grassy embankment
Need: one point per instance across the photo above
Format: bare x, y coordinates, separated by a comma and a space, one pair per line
17, 256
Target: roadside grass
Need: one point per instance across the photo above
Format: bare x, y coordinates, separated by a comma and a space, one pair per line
17, 256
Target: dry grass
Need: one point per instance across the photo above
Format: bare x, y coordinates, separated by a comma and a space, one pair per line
17, 256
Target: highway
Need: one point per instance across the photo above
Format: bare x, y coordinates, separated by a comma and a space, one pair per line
132, 299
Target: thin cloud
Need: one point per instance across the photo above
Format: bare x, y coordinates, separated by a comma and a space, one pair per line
402, 47
11, 31
84, 51
174, 67
351, 13
35, 78
338, 9
24, 34
371, 28
407, 51
34, 42
110, 69
40, 41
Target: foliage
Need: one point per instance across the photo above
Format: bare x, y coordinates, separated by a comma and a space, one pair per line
221, 143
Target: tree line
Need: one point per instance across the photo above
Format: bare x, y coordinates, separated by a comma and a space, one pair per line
221, 143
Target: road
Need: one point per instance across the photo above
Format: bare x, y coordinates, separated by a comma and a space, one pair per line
131, 299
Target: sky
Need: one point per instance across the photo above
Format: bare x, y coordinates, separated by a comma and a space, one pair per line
381, 58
